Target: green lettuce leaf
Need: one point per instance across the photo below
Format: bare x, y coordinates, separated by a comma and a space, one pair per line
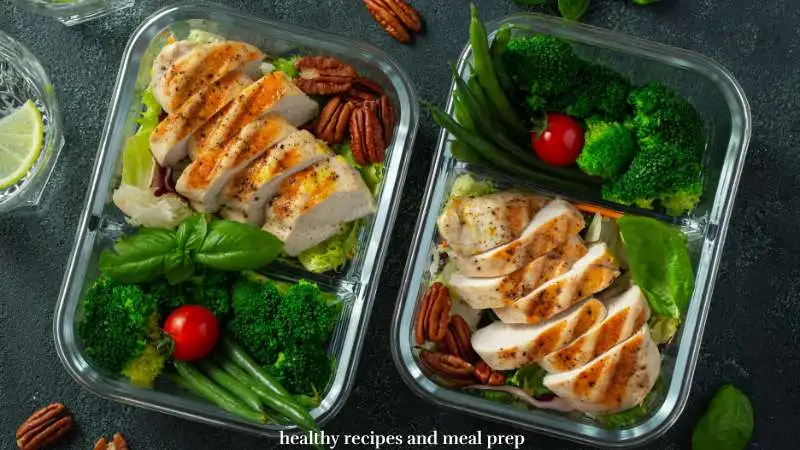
286, 65
137, 161
467, 186
334, 252
530, 379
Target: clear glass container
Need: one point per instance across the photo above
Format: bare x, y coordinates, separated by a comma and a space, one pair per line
101, 222
722, 104
23, 78
73, 12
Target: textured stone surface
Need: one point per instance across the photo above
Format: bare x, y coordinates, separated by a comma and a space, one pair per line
750, 338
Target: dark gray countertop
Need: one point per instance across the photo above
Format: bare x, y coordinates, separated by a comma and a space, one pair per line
750, 338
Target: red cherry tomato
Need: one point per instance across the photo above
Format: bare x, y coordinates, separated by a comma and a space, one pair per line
194, 331
561, 142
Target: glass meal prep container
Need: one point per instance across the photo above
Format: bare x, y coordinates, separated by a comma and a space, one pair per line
722, 104
101, 222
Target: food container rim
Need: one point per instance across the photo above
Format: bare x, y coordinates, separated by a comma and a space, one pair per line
365, 285
718, 220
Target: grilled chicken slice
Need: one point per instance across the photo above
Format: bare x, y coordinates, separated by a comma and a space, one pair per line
182, 70
273, 93
617, 380
589, 275
313, 204
168, 140
248, 192
499, 292
203, 180
553, 225
505, 346
472, 225
627, 313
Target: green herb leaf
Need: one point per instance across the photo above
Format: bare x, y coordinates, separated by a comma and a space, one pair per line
192, 232
659, 263
530, 379
727, 424
178, 267
237, 246
138, 257
573, 9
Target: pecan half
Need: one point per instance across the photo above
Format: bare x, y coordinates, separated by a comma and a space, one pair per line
458, 340
388, 20
44, 427
364, 90
376, 145
434, 315
407, 14
321, 75
387, 118
333, 121
117, 443
357, 136
447, 366
486, 375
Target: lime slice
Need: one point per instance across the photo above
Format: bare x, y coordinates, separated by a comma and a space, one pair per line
21, 140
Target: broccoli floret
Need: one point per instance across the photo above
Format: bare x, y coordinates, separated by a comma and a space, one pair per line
303, 370
255, 302
608, 149
600, 92
543, 67
168, 297
667, 169
305, 316
211, 289
119, 330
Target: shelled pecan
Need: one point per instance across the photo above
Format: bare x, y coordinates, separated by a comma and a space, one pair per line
44, 427
457, 341
387, 117
450, 367
322, 75
334, 120
434, 315
371, 128
486, 375
396, 17
117, 443
363, 90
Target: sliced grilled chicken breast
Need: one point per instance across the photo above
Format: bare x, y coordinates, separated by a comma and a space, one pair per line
180, 71
627, 313
509, 346
499, 292
592, 273
168, 140
553, 225
273, 93
203, 180
313, 204
472, 225
248, 192
617, 380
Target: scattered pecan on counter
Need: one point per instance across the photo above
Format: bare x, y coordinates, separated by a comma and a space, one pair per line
117, 443
396, 17
44, 427
321, 75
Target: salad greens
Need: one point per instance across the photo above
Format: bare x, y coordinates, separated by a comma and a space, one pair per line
467, 186
727, 424
286, 65
632, 416
137, 161
334, 252
573, 9
220, 244
530, 379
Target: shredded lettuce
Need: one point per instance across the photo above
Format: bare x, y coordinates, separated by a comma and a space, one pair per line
143, 208
467, 186
372, 174
286, 65
530, 379
204, 37
137, 161
334, 252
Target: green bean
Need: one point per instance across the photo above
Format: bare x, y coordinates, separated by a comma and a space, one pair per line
497, 49
206, 388
237, 372
461, 112
486, 73
240, 390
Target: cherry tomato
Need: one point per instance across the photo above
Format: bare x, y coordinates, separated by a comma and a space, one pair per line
194, 331
561, 142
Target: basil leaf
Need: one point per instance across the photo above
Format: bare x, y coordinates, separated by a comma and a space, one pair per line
178, 267
138, 257
727, 424
192, 232
659, 262
237, 246
573, 9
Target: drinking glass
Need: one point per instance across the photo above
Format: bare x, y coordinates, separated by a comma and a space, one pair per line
71, 12
22, 78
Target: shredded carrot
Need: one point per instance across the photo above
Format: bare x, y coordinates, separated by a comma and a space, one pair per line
594, 209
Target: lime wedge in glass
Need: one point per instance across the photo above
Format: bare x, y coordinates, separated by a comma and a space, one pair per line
21, 140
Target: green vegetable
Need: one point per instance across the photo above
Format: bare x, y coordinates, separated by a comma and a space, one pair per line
635, 415
530, 379
543, 67
303, 369
727, 424
305, 316
119, 331
231, 384
215, 394
236, 246
334, 252
663, 329
608, 149
573, 9
467, 186
659, 262
137, 160
138, 257
486, 73
208, 288
372, 174
599, 92
668, 167
255, 303
498, 48
286, 65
